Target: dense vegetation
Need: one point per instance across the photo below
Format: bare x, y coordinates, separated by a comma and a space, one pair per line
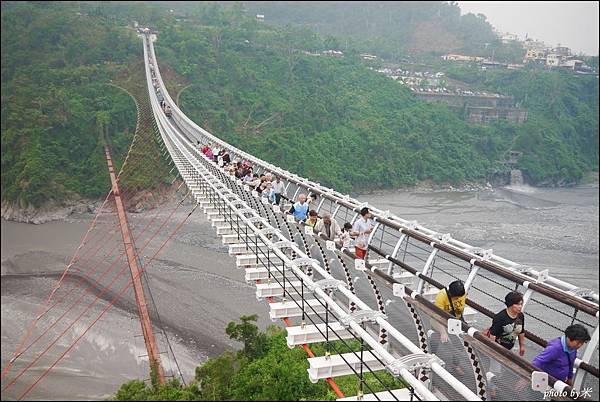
265, 369
56, 102
393, 30
560, 139
335, 121
256, 86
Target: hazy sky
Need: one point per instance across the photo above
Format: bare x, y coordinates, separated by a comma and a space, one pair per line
572, 24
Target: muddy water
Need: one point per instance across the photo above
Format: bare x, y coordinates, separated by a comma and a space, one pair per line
198, 290
555, 229
194, 282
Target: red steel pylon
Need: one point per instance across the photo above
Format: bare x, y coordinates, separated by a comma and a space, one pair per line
153, 355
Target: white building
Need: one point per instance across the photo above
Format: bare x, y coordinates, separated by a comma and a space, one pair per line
572, 64
534, 44
367, 56
553, 60
509, 37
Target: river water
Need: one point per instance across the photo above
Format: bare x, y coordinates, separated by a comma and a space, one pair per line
198, 290
555, 229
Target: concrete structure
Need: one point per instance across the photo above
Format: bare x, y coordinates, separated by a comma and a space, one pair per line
366, 56
480, 108
538, 52
488, 114
535, 55
553, 60
534, 44
492, 64
460, 57
562, 51
573, 64
462, 100
509, 37
337, 53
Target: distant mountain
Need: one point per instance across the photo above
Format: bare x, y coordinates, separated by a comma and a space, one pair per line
392, 29
264, 89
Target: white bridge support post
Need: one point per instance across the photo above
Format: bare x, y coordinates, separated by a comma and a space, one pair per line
591, 347
426, 267
395, 253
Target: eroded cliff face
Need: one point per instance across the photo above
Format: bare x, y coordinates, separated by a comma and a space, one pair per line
20, 212
14, 211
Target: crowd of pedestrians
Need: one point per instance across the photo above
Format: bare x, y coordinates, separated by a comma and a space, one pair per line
304, 208
508, 325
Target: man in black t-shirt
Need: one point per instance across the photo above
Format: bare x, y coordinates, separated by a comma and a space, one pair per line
509, 323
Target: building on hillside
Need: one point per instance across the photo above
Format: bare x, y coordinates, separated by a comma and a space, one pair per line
575, 65
260, 17
366, 56
509, 37
562, 51
484, 115
534, 44
478, 107
336, 53
534, 55
488, 64
553, 60
460, 57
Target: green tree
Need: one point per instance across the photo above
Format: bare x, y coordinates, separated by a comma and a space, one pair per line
254, 341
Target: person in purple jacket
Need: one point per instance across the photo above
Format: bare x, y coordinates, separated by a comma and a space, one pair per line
560, 353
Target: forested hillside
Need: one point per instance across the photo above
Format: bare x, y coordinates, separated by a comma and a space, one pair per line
257, 86
56, 64
335, 121
560, 139
394, 30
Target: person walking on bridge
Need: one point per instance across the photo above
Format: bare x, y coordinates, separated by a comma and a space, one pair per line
452, 300
328, 227
278, 189
311, 201
559, 356
509, 323
248, 177
507, 326
361, 229
312, 218
300, 208
345, 238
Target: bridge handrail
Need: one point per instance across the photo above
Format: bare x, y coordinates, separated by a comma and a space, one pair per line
330, 302
408, 229
553, 287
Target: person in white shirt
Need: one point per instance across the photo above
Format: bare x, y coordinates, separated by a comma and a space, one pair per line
345, 238
278, 189
300, 208
311, 201
249, 178
265, 195
361, 229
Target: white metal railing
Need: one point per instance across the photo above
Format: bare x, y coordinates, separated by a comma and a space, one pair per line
181, 151
407, 228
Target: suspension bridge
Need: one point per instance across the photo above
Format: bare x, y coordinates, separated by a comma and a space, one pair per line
319, 290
